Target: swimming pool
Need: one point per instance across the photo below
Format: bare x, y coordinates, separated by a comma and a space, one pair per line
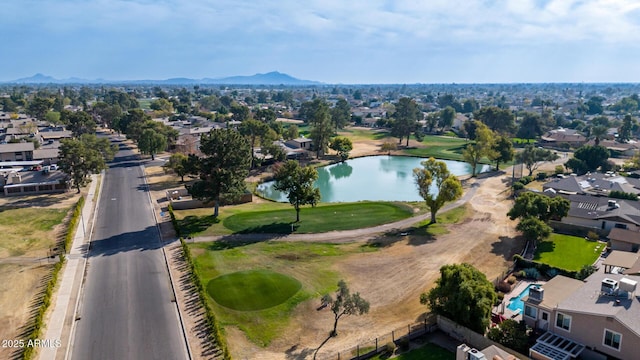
516, 303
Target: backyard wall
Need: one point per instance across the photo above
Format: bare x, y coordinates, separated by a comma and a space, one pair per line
470, 337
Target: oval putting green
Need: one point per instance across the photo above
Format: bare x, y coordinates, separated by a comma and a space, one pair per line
252, 290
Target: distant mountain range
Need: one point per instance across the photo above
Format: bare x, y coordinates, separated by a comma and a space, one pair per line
271, 78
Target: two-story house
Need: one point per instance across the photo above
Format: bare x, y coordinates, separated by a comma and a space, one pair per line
600, 316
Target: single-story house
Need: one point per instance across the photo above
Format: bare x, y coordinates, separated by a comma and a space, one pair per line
624, 240
300, 143
603, 214
594, 184
556, 137
22, 151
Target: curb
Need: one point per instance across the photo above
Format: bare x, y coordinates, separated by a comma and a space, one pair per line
76, 308
166, 262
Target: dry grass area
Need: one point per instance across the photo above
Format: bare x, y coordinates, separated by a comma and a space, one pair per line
31, 226
19, 290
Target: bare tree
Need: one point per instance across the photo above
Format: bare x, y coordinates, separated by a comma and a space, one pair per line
344, 303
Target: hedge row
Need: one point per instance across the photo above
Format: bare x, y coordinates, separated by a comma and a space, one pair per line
42, 310
216, 332
68, 240
174, 222
543, 268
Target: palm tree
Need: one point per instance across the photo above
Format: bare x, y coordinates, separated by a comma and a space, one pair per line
598, 133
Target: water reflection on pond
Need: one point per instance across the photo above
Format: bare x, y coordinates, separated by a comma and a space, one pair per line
383, 178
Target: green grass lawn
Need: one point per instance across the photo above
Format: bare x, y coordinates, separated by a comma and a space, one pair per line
310, 264
356, 134
276, 218
145, 104
318, 219
427, 352
452, 216
568, 252
252, 290
28, 231
440, 147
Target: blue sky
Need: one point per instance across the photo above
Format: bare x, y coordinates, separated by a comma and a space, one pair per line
333, 41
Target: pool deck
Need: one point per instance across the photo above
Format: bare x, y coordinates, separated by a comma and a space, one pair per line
502, 308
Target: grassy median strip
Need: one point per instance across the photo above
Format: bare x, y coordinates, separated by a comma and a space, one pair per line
278, 218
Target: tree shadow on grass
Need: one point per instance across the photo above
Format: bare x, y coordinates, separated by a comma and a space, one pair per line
273, 228
543, 247
196, 224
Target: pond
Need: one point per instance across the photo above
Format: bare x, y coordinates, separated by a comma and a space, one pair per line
376, 178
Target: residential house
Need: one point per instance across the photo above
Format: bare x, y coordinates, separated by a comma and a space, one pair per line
300, 143
593, 183
625, 149
599, 317
16, 151
624, 240
603, 214
559, 136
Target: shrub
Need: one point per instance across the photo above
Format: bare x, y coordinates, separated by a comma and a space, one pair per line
517, 185
503, 286
541, 175
593, 236
511, 280
616, 194
559, 169
403, 343
526, 179
390, 348
531, 273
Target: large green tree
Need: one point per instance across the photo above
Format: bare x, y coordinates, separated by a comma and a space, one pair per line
342, 145
152, 142
79, 122
534, 229
447, 115
532, 157
480, 147
464, 295
447, 187
512, 334
629, 124
298, 183
321, 126
530, 127
223, 168
253, 130
38, 107
502, 151
81, 157
588, 158
177, 164
406, 118
497, 119
341, 114
539, 206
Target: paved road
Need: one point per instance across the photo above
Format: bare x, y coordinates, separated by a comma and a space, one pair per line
127, 309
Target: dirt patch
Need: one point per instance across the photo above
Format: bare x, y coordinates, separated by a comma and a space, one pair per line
20, 287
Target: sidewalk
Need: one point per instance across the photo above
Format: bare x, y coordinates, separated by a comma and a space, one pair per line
61, 321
